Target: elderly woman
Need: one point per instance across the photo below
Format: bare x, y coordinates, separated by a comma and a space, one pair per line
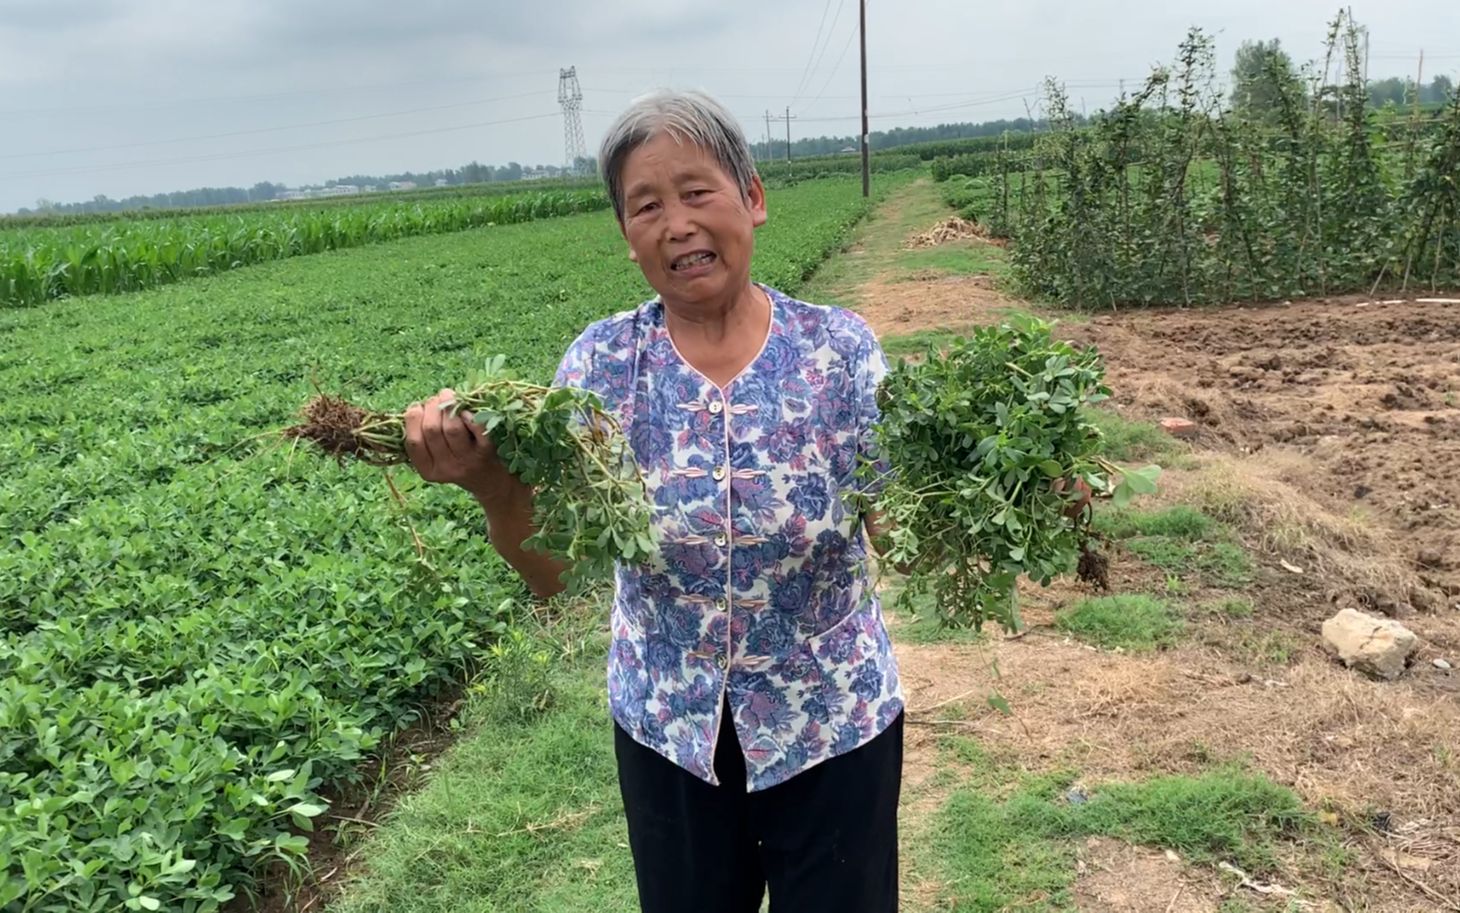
752, 683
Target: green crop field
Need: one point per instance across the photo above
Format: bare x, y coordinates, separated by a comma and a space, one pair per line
200, 630
41, 264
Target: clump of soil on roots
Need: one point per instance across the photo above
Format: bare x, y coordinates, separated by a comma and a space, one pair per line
1093, 568
334, 425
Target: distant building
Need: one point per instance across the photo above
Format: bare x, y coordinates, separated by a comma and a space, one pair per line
402, 185
442, 182
314, 193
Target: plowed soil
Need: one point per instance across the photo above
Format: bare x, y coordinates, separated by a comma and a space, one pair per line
1368, 392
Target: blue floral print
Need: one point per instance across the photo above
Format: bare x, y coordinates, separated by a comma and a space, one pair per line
759, 597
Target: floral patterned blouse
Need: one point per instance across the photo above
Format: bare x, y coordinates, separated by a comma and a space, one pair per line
759, 596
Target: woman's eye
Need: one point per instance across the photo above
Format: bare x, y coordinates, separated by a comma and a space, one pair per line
696, 193
647, 207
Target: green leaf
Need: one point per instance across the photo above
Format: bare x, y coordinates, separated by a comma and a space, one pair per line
997, 701
1142, 481
307, 809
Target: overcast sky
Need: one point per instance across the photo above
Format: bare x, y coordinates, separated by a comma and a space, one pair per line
120, 97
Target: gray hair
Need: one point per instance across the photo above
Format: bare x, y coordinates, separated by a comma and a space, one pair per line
687, 116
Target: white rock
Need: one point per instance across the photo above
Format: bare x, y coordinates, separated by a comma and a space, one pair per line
1442, 664
1378, 646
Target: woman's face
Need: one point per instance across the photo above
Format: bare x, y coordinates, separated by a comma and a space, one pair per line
688, 227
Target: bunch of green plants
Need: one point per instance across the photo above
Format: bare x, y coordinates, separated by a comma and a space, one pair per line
591, 508
988, 443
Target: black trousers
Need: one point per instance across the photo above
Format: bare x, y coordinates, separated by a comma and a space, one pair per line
824, 841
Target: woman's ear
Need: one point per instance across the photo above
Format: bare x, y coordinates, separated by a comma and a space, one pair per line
756, 198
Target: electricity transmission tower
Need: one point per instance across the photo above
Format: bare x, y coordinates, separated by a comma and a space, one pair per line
570, 97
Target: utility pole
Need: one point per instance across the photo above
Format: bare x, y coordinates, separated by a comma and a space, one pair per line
788, 136
1419, 81
769, 154
866, 164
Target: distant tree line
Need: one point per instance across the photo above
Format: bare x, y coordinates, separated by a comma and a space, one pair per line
263, 191
477, 173
1264, 74
1402, 92
890, 139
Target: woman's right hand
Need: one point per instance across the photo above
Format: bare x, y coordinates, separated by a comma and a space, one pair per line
453, 449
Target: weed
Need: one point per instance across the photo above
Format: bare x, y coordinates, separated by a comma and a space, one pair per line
1179, 522
1129, 441
1267, 647
1236, 607
1018, 853
1181, 541
1133, 622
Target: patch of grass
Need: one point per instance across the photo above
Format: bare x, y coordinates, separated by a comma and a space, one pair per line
956, 258
964, 750
1018, 853
1129, 441
992, 862
522, 814
1236, 607
1227, 814
1225, 564
918, 343
1180, 540
1179, 522
1131, 621
1266, 647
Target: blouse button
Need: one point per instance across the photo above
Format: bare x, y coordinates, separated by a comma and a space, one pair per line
716, 407
720, 604
721, 541
719, 473
721, 661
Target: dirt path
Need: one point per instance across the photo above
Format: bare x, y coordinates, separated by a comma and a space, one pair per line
1329, 428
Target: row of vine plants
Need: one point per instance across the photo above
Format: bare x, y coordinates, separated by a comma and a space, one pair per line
1171, 198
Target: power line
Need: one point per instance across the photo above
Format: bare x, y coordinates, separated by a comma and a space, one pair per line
832, 75
825, 45
122, 166
826, 8
251, 132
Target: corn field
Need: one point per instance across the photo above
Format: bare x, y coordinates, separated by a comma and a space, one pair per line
42, 264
